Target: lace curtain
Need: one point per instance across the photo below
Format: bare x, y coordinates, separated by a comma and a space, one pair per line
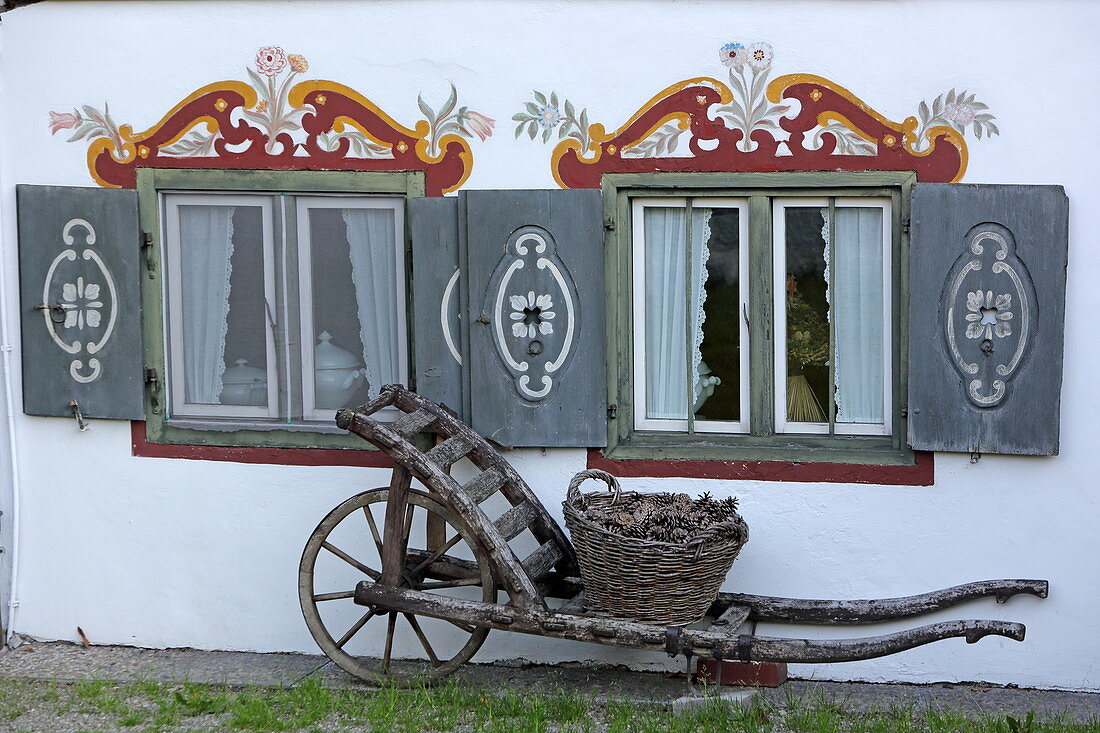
856, 299
373, 253
207, 263
665, 303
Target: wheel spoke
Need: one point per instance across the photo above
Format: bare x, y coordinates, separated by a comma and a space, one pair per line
465, 627
437, 554
374, 574
373, 529
355, 629
423, 639
334, 596
450, 583
390, 624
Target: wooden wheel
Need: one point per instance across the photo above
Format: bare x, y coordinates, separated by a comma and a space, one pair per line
439, 557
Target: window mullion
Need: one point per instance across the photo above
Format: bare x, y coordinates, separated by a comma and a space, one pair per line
761, 318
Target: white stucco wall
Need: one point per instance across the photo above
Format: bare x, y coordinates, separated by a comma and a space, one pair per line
159, 552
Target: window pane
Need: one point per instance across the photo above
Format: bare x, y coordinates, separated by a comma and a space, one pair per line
356, 303
707, 302
807, 316
718, 366
860, 308
224, 320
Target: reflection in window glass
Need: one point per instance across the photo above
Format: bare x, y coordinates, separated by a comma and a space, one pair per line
807, 304
718, 363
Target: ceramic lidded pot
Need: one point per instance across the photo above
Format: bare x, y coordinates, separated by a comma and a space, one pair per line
339, 373
244, 385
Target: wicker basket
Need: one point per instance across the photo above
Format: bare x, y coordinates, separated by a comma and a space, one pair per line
643, 580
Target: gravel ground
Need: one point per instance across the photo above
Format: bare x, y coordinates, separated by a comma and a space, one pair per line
64, 662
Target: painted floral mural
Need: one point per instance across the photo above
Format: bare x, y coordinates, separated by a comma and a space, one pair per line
747, 106
283, 115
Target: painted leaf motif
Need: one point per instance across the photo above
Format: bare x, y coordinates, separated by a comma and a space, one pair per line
518, 302
1002, 329
974, 330
68, 292
519, 329
546, 327
93, 318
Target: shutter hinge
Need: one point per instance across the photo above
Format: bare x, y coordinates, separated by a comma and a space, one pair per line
905, 412
147, 249
905, 226
153, 380
611, 411
609, 224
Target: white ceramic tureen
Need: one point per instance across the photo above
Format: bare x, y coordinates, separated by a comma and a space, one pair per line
339, 374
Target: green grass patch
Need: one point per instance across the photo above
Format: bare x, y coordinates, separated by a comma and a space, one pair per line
452, 706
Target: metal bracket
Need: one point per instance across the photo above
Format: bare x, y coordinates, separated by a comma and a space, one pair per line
147, 249
78, 415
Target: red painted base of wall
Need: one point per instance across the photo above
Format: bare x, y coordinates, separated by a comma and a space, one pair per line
923, 473
272, 456
742, 674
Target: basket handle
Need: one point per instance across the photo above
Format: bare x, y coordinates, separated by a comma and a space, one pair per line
575, 484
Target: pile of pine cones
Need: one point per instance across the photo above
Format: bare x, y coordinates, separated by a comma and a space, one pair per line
673, 518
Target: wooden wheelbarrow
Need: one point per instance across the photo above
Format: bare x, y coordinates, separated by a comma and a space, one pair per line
440, 568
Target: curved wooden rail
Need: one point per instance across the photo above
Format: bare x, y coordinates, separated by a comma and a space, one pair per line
432, 467
806, 611
676, 640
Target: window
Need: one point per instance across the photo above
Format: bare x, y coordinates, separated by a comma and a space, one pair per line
280, 303
758, 317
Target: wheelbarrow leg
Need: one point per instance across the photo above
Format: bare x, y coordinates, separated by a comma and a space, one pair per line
395, 536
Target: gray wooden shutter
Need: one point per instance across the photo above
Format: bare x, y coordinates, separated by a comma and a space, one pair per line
535, 267
987, 302
80, 305
437, 298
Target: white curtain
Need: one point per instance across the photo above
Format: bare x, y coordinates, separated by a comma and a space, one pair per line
856, 298
666, 298
371, 235
206, 235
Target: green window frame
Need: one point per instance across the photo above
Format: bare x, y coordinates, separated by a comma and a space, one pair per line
152, 184
760, 442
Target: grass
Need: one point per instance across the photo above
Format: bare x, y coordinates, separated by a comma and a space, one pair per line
310, 706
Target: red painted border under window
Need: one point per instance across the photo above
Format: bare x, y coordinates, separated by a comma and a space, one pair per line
921, 474
272, 456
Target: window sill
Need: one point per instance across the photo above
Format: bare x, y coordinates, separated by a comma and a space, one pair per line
361, 455
920, 472
233, 426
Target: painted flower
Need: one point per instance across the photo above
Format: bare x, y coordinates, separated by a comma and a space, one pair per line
63, 121
262, 106
479, 124
531, 315
988, 316
81, 304
270, 60
960, 114
548, 116
298, 62
733, 55
760, 55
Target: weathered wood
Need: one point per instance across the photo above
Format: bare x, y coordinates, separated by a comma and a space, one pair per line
518, 583
542, 560
413, 422
394, 537
974, 387
535, 396
449, 451
537, 620
484, 485
67, 233
733, 617
437, 291
574, 605
798, 610
515, 520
